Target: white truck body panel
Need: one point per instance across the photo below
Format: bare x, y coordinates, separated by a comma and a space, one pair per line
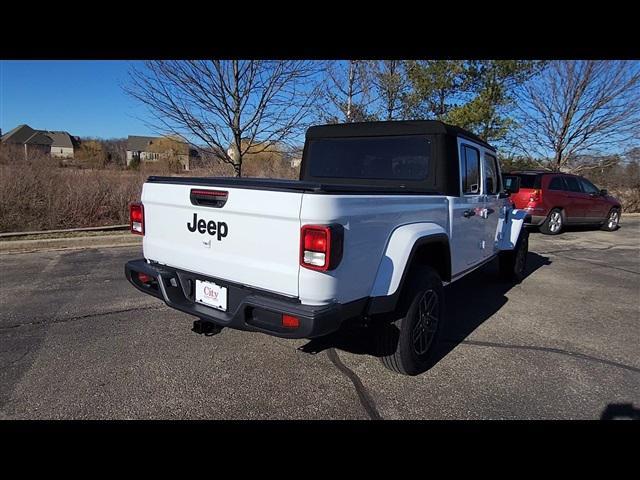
466, 234
261, 247
369, 221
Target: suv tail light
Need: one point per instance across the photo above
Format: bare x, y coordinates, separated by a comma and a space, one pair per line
535, 196
321, 246
136, 218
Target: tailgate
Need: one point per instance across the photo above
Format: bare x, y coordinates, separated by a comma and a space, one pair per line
252, 239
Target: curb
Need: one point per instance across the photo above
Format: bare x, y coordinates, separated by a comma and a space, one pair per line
101, 241
108, 228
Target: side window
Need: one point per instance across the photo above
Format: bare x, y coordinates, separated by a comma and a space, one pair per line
572, 184
588, 187
470, 170
556, 184
491, 179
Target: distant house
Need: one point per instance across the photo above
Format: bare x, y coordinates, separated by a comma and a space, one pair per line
55, 143
153, 149
63, 145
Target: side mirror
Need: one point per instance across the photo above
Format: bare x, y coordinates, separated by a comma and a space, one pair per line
604, 192
511, 184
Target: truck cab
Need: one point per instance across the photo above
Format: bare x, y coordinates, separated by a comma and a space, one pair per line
383, 213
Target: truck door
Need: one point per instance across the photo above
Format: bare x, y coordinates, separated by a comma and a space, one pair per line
491, 188
467, 226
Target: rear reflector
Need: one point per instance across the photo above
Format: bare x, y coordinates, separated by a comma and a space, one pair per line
289, 321
136, 218
144, 278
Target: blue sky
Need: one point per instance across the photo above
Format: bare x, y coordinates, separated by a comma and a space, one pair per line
84, 98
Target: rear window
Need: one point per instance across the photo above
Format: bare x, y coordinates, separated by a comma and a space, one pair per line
403, 157
528, 180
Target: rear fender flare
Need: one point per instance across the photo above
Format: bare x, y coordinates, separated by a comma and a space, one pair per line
396, 259
509, 226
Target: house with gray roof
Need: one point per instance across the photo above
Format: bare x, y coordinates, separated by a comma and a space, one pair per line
153, 149
55, 143
63, 145
141, 148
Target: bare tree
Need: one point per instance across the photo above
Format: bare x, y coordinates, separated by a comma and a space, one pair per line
232, 106
346, 91
574, 109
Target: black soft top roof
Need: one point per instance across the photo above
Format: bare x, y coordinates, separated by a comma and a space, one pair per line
396, 127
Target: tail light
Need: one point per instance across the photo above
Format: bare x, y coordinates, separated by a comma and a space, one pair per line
321, 246
136, 218
535, 196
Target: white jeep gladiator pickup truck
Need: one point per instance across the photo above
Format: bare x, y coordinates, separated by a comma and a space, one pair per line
384, 215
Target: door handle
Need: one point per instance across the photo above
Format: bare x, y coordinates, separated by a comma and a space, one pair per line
469, 213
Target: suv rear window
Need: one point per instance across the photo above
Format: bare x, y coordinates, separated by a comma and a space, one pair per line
529, 180
400, 157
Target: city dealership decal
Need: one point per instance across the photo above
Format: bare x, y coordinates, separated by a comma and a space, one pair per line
208, 292
219, 229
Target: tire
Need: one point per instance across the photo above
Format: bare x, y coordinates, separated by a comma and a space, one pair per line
513, 263
407, 345
613, 219
554, 223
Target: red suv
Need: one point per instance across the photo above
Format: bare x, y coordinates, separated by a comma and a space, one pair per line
553, 200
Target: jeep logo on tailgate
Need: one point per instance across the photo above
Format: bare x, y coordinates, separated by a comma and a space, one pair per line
211, 227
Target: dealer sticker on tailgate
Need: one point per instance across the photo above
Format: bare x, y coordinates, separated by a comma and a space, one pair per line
211, 295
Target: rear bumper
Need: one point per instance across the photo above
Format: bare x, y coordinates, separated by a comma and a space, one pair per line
248, 309
534, 216
536, 220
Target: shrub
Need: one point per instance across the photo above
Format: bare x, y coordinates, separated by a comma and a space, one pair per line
39, 196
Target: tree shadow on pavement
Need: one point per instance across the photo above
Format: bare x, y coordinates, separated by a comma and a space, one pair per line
470, 302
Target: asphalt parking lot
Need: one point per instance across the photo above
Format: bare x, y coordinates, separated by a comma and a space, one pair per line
78, 342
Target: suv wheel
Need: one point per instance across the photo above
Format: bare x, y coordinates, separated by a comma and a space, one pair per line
407, 345
554, 223
611, 223
513, 263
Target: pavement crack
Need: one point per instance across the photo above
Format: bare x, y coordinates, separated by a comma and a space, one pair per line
589, 249
559, 351
366, 400
592, 262
80, 317
11, 364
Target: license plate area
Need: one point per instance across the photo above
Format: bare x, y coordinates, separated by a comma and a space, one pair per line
211, 295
